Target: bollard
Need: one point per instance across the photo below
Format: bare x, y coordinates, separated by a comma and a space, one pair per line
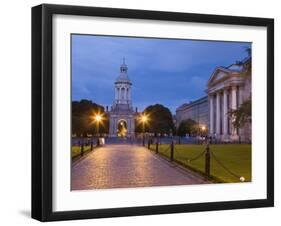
207, 161
91, 144
172, 151
157, 142
82, 149
148, 143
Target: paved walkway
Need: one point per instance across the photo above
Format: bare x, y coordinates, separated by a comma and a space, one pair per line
123, 166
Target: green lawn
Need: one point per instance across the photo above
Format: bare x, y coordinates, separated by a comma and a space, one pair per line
76, 150
235, 157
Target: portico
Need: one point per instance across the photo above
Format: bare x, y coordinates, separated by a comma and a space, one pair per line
225, 93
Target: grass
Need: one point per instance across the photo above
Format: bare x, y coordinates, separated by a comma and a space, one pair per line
76, 150
235, 157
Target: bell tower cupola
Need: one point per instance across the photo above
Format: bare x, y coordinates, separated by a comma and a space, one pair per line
123, 87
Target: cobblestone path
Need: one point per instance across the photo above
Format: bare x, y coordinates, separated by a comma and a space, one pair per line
123, 166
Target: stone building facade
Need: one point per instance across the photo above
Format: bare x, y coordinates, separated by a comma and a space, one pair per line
227, 89
196, 110
121, 115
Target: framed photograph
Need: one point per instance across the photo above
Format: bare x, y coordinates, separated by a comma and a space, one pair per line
145, 112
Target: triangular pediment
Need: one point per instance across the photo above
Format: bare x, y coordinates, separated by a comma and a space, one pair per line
219, 74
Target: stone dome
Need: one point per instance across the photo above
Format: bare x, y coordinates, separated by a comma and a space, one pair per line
123, 76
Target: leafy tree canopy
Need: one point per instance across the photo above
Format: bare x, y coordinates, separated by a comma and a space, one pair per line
160, 120
247, 66
243, 114
82, 118
186, 127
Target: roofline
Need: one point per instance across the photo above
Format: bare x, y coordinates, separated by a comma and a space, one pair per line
226, 69
192, 103
123, 81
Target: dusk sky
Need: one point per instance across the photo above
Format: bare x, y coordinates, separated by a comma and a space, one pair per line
165, 71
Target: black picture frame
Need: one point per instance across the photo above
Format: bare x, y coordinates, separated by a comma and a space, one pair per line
42, 107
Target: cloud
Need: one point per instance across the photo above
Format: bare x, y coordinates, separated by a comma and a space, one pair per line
164, 71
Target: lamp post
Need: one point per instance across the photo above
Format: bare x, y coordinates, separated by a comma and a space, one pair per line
203, 129
143, 120
98, 119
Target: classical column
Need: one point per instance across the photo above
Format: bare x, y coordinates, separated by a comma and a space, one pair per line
121, 94
240, 94
110, 126
125, 94
225, 116
129, 94
129, 126
115, 126
133, 126
218, 132
118, 94
234, 105
211, 115
240, 131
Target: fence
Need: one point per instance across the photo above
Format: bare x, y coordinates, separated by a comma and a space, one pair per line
206, 155
83, 145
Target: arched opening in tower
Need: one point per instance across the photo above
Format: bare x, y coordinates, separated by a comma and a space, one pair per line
122, 128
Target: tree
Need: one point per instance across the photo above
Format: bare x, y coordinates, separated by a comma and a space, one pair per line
247, 65
242, 115
82, 121
186, 127
160, 120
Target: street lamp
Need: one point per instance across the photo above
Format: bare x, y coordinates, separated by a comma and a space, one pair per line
143, 119
203, 128
98, 119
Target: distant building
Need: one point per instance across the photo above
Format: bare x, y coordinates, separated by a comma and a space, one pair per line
227, 89
197, 110
122, 115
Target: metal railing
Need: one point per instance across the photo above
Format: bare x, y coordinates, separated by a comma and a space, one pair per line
207, 153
